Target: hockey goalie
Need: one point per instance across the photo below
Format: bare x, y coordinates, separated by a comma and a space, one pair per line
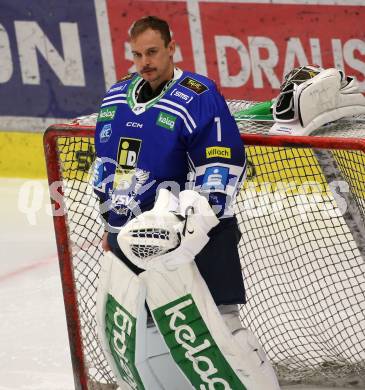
161, 329
171, 278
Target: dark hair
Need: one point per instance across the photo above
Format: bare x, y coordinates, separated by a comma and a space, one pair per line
154, 23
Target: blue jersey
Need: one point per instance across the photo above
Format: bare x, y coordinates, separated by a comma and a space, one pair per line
185, 138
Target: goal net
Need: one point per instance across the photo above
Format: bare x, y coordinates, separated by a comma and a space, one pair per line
301, 212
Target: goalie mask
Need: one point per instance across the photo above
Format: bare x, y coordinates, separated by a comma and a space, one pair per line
311, 97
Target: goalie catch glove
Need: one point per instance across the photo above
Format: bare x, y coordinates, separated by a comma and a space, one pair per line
172, 233
311, 97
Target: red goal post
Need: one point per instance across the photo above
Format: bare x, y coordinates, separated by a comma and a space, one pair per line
302, 252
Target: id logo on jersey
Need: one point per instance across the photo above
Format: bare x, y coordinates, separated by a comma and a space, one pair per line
215, 178
128, 151
105, 133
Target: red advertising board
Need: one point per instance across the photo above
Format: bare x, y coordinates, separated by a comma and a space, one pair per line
123, 13
248, 47
264, 41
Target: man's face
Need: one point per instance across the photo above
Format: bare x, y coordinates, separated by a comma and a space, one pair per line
153, 60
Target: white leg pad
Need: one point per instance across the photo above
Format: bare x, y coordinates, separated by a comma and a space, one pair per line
135, 352
198, 338
195, 347
162, 364
121, 320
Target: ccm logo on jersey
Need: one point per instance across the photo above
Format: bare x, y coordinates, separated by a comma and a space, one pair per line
134, 124
218, 151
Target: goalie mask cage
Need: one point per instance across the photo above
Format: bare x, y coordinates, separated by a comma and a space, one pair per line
301, 212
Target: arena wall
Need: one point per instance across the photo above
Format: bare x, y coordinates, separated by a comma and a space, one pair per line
57, 60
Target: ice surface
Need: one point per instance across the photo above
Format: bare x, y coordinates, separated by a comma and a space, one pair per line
34, 350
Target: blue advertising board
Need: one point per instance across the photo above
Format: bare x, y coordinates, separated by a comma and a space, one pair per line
50, 59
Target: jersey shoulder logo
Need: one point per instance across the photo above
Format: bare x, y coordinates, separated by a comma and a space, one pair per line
215, 178
128, 76
105, 133
194, 85
98, 175
107, 114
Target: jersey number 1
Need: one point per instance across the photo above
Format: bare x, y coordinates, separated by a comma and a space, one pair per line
217, 120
